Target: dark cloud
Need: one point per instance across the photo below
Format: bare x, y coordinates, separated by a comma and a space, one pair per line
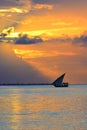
46, 1
79, 40
13, 2
58, 1
66, 6
24, 39
8, 3
82, 40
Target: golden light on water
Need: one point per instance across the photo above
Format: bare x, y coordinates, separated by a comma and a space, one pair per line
42, 108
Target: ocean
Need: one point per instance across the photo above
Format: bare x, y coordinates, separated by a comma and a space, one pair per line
43, 107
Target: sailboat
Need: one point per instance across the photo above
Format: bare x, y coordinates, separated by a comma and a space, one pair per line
59, 82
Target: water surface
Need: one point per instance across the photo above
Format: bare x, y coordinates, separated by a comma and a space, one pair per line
43, 108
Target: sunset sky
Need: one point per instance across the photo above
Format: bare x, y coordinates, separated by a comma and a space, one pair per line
62, 26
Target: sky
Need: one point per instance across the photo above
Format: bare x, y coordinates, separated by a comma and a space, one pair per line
61, 28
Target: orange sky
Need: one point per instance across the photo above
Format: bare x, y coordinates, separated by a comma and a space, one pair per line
49, 20
46, 17
53, 59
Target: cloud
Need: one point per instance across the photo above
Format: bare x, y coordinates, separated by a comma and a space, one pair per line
8, 3
46, 1
20, 39
41, 53
24, 39
82, 40
58, 1
43, 6
78, 40
6, 31
14, 2
13, 10
17, 6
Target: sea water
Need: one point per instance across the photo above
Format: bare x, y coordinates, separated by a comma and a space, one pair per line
43, 107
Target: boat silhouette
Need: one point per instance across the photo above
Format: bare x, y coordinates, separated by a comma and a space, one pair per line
59, 82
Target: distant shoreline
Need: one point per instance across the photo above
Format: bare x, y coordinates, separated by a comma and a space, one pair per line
13, 84
26, 84
9, 84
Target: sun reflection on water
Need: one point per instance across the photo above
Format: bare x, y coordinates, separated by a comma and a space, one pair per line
45, 108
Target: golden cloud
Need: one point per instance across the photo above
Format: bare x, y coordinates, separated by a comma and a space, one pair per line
38, 54
43, 6
13, 10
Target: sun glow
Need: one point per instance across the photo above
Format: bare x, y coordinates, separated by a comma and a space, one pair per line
35, 58
38, 53
15, 34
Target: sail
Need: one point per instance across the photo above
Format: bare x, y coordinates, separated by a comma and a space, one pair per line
59, 81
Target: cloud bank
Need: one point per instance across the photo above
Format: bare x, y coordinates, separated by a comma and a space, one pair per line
78, 40
24, 39
82, 40
46, 1
14, 2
